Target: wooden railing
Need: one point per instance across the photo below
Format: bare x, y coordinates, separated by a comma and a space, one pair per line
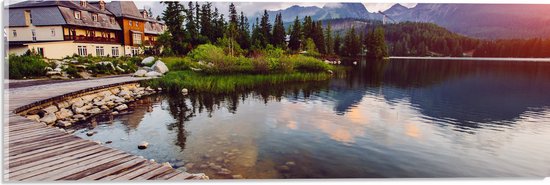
82, 38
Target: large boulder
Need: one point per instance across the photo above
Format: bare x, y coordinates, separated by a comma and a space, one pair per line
107, 63
63, 113
50, 109
153, 74
49, 118
121, 107
147, 60
160, 67
140, 73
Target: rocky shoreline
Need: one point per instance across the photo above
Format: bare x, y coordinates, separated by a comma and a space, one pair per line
64, 113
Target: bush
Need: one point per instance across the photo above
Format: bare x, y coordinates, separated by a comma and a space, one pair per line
309, 64
26, 66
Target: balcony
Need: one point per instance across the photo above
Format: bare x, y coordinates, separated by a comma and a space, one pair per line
82, 38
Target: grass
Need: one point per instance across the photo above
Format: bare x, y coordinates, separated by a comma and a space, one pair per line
174, 81
26, 66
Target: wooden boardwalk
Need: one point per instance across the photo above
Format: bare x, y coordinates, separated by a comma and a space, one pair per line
35, 152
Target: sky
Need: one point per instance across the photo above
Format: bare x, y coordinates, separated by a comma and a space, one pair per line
251, 8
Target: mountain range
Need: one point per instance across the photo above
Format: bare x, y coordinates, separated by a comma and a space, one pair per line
490, 21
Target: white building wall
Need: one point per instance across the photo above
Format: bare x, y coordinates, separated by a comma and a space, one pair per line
61, 49
43, 33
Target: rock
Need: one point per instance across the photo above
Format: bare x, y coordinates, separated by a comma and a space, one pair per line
219, 159
104, 108
152, 160
149, 88
224, 171
108, 142
140, 73
121, 107
107, 63
90, 133
206, 156
203, 166
53, 73
215, 167
184, 91
167, 164
283, 168
159, 89
63, 113
124, 93
63, 124
34, 117
114, 113
94, 111
290, 163
70, 131
143, 145
62, 104
51, 109
79, 117
120, 69
148, 60
153, 74
88, 98
49, 118
189, 165
115, 90
160, 67
76, 102
237, 176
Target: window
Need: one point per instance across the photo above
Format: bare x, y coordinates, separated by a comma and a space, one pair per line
136, 38
114, 51
99, 51
82, 51
94, 17
40, 51
14, 33
33, 32
137, 23
135, 51
28, 13
130, 22
112, 20
77, 14
53, 32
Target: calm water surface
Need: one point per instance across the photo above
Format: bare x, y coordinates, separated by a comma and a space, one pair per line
394, 119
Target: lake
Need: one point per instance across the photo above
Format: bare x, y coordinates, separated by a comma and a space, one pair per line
394, 119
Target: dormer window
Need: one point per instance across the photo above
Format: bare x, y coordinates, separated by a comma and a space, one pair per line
112, 20
94, 17
77, 14
130, 22
137, 23
83, 3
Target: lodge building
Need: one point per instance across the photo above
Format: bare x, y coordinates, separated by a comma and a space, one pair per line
56, 29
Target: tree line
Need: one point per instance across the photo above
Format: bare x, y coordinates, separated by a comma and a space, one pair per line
193, 24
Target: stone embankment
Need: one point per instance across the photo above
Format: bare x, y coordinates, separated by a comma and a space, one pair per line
65, 112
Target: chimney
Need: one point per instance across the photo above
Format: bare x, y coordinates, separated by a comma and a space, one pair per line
102, 5
145, 13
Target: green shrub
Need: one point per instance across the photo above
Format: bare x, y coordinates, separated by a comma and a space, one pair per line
26, 66
72, 71
309, 64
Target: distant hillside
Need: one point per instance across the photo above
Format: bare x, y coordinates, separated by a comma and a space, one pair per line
481, 20
493, 21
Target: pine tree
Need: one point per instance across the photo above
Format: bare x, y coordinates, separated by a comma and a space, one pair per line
206, 21
174, 21
244, 33
190, 26
295, 35
232, 29
318, 37
256, 38
338, 45
265, 29
278, 38
376, 45
329, 41
351, 43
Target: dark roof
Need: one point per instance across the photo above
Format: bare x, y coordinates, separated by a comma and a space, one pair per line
47, 13
49, 3
41, 16
124, 9
86, 19
153, 28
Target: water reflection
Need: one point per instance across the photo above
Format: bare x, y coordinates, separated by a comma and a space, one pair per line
382, 119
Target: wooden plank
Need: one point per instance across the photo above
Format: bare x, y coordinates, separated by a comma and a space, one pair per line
65, 166
39, 156
34, 138
111, 177
166, 175
31, 132
115, 169
181, 176
153, 173
39, 145
61, 146
138, 172
69, 170
73, 155
95, 169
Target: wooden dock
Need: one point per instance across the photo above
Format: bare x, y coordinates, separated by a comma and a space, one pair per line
35, 152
